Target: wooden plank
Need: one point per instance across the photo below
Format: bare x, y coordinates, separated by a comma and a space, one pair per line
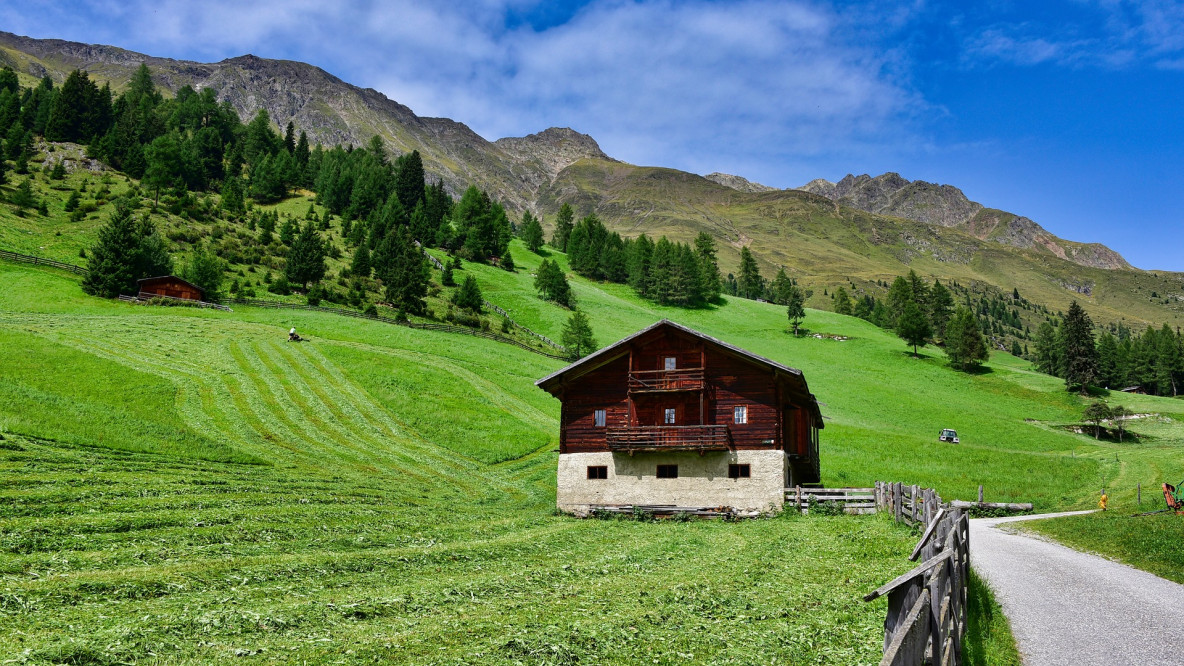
927, 535
908, 645
906, 577
1008, 506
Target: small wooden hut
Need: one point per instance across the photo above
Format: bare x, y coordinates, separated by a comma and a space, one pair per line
670, 416
169, 286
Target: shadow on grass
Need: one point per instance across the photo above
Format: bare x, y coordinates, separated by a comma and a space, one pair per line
988, 640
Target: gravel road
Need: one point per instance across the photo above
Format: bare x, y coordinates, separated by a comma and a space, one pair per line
1067, 607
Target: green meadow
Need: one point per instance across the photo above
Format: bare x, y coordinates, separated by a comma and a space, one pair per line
185, 486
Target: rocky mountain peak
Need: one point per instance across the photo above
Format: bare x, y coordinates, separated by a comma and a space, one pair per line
739, 183
554, 149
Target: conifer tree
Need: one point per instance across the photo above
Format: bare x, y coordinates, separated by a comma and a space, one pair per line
1080, 362
842, 302
712, 283
795, 306
531, 232
563, 227
750, 284
306, 260
913, 326
899, 295
941, 304
1049, 349
360, 265
507, 261
552, 283
780, 287
403, 270
964, 343
409, 180
577, 336
638, 264
468, 296
207, 271
125, 252
232, 195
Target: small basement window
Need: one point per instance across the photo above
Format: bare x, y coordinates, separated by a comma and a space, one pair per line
739, 471
740, 414
671, 363
599, 415
667, 471
669, 416
597, 471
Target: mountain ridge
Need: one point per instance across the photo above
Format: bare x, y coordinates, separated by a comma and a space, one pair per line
858, 229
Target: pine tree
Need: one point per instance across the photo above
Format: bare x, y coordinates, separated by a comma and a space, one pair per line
795, 302
941, 304
563, 227
964, 343
290, 138
232, 195
780, 287
842, 302
531, 232
125, 252
750, 283
306, 260
899, 295
577, 336
913, 326
23, 196
507, 261
409, 180
404, 271
708, 267
207, 271
1049, 349
360, 266
637, 262
552, 283
1080, 362
446, 277
468, 296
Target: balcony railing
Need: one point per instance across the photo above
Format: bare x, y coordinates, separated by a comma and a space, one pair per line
682, 379
670, 438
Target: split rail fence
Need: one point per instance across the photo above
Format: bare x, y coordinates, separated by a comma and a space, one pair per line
926, 618
41, 261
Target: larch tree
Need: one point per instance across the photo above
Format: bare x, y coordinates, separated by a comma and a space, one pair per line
751, 284
795, 306
913, 326
531, 232
564, 223
843, 302
577, 336
965, 344
1080, 361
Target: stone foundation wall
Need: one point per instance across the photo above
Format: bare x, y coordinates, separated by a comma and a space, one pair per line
702, 480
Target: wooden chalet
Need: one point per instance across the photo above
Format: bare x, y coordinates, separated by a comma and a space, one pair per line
670, 416
169, 286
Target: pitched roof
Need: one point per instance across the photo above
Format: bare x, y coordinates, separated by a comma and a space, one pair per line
170, 278
598, 358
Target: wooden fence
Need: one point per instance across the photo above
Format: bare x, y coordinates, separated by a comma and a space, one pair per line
927, 606
40, 261
852, 500
159, 299
446, 328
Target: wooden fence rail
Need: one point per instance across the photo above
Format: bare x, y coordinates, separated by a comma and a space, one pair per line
41, 261
446, 328
926, 619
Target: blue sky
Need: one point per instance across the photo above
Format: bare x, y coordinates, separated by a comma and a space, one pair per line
1069, 112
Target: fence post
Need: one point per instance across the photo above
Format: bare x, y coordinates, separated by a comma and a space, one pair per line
980, 494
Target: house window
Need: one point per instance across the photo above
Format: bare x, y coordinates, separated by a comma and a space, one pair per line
669, 416
671, 363
667, 471
740, 414
597, 471
739, 471
599, 416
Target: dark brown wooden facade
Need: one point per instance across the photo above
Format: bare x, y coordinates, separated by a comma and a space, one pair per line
637, 381
169, 286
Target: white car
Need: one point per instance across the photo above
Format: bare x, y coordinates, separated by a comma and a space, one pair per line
948, 435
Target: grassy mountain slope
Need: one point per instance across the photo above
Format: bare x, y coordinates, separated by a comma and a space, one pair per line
386, 493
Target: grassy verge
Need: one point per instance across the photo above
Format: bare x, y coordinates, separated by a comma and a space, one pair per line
988, 639
1150, 543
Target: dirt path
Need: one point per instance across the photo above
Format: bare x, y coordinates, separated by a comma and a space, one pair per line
1068, 607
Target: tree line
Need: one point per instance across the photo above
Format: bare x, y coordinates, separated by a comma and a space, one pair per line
1152, 361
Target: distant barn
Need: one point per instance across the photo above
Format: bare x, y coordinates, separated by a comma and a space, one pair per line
670, 416
169, 286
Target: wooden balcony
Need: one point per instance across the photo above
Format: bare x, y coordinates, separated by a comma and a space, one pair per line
664, 381
670, 438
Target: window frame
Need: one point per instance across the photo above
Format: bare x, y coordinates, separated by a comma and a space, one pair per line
669, 362
740, 414
600, 418
597, 472
667, 472
739, 471
670, 416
